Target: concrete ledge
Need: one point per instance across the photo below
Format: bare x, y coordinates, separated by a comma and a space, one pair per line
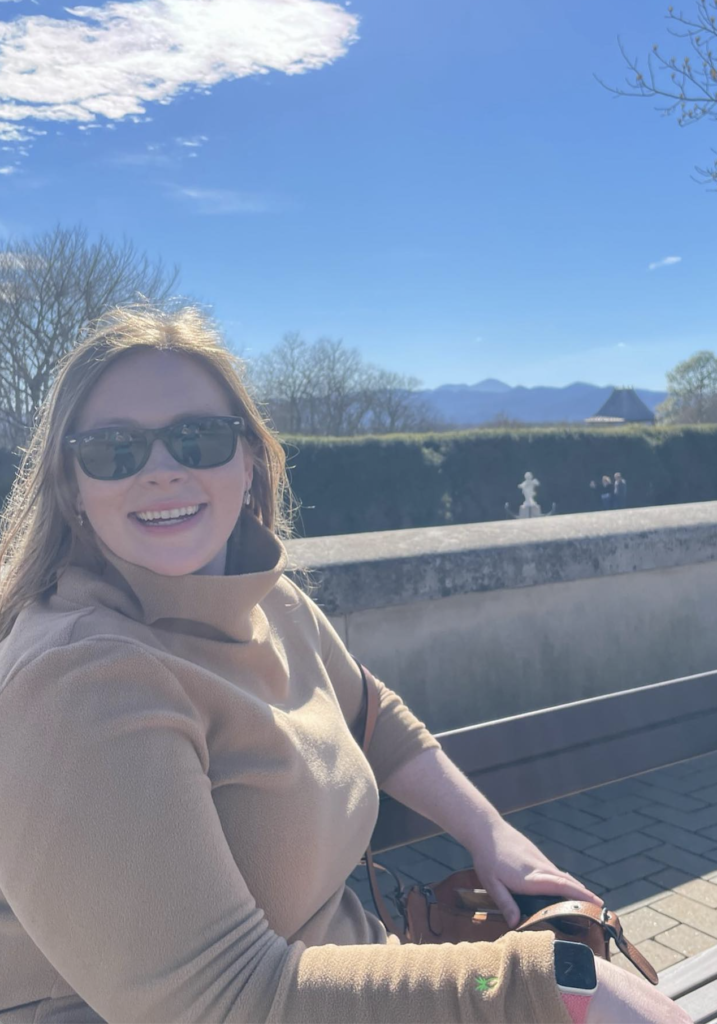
362, 571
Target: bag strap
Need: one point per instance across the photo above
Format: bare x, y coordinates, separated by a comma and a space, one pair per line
608, 921
371, 704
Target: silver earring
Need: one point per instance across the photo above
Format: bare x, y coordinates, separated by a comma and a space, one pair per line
80, 518
247, 497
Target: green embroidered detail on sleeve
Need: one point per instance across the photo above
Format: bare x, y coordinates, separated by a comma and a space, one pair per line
484, 984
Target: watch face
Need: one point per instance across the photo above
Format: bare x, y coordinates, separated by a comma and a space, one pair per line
574, 966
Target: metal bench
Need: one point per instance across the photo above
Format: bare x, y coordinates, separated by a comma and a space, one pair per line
533, 758
693, 985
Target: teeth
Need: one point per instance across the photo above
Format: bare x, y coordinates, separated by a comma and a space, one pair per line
172, 513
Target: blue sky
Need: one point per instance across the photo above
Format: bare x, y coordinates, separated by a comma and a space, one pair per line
441, 183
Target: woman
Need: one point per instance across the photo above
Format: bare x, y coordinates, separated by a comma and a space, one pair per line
181, 799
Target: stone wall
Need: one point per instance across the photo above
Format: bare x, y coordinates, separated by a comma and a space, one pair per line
472, 623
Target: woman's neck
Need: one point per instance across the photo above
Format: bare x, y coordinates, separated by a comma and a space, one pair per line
217, 566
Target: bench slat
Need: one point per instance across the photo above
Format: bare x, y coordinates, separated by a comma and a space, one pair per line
700, 1004
545, 755
690, 974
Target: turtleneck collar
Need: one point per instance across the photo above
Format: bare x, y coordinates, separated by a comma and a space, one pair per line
222, 604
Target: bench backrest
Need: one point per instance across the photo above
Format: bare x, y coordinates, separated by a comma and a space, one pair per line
529, 759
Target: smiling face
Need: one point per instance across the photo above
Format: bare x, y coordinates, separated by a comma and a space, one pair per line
151, 389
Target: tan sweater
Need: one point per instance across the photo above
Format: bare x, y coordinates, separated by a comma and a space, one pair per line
181, 801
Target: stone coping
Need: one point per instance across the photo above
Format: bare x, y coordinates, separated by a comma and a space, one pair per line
352, 572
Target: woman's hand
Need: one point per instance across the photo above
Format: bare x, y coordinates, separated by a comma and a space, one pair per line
506, 861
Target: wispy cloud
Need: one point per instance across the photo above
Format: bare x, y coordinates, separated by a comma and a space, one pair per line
161, 154
666, 262
112, 61
193, 143
8, 169
217, 200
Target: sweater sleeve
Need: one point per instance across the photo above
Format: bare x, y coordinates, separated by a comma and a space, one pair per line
399, 735
114, 861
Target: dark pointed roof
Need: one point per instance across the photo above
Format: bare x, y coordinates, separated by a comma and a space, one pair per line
623, 406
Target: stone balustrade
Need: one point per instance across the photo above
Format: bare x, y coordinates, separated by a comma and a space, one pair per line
476, 622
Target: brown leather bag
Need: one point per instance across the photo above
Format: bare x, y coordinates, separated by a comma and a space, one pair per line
458, 909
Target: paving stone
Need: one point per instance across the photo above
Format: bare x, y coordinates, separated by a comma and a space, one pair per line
696, 821
631, 896
661, 795
693, 783
688, 911
659, 956
681, 837
424, 871
561, 811
614, 875
621, 961
686, 940
566, 835
687, 767
619, 825
622, 805
521, 819
566, 859
645, 924
681, 859
589, 803
703, 819
708, 794
671, 879
624, 846
448, 854
400, 857
615, 790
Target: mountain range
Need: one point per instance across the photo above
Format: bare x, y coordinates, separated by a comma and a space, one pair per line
467, 405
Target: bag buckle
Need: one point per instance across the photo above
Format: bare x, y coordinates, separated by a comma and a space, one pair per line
430, 897
609, 927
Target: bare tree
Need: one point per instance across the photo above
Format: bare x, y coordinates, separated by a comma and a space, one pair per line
686, 85
395, 406
338, 406
283, 378
50, 286
327, 389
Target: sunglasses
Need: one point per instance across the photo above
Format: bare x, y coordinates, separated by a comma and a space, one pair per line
114, 453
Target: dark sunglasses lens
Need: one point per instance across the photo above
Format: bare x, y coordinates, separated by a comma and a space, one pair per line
202, 444
111, 455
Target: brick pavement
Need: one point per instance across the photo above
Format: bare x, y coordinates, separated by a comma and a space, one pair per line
647, 846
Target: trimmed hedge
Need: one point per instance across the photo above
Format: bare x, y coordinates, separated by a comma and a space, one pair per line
355, 485
361, 484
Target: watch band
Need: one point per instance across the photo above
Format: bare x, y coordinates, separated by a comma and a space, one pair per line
577, 1006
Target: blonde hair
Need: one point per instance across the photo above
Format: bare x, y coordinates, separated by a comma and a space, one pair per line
40, 531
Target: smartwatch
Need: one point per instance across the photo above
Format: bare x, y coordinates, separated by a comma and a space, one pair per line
575, 977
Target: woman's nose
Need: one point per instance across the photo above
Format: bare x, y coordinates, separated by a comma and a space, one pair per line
161, 466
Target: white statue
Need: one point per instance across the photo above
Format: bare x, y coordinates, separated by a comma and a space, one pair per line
529, 486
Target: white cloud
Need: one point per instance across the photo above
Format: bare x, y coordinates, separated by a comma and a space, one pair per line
217, 200
193, 143
667, 262
8, 169
113, 60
